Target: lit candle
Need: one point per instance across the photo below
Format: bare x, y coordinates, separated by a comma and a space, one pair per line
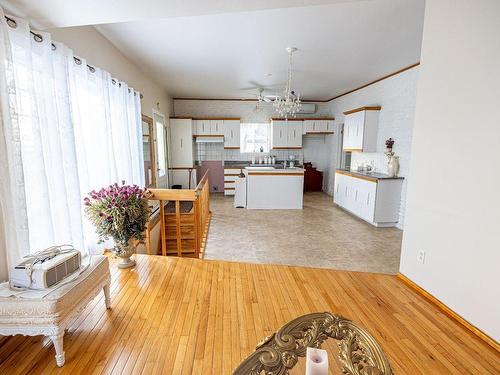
316, 362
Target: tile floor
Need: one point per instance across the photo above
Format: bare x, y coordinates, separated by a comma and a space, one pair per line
320, 235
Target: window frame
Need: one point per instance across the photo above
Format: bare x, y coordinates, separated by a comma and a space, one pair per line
243, 132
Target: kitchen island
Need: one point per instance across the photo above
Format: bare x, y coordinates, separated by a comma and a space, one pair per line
273, 188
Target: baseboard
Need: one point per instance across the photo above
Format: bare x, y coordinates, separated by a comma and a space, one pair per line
449, 312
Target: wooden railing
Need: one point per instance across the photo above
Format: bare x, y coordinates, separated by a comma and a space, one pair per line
202, 210
183, 232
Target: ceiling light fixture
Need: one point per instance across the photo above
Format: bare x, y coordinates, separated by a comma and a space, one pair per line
289, 103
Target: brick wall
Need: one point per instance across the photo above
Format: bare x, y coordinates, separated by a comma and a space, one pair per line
397, 96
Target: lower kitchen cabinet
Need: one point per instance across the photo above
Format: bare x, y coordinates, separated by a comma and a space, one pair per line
230, 175
374, 200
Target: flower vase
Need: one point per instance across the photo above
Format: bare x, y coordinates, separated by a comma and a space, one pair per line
393, 166
125, 252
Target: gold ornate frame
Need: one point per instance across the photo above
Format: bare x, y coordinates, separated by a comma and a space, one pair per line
360, 353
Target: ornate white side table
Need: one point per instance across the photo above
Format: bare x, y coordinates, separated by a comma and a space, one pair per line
51, 315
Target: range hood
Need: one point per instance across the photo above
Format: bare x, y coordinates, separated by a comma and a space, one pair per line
210, 139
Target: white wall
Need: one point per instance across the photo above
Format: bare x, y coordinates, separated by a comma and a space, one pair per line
397, 96
87, 42
315, 148
453, 193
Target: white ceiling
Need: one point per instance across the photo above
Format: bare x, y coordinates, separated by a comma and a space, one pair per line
65, 13
341, 45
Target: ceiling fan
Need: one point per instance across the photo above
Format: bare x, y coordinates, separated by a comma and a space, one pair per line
264, 98
260, 88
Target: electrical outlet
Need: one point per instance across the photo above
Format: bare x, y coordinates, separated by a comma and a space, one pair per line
421, 256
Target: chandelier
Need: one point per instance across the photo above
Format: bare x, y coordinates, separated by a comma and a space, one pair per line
288, 104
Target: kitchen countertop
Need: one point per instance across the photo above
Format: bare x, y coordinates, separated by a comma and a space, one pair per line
242, 164
274, 171
372, 175
235, 164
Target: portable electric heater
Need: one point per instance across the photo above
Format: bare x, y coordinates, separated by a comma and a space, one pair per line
46, 268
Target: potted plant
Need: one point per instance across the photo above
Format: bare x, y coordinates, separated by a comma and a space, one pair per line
119, 212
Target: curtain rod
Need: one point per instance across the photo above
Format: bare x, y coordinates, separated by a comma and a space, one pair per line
39, 38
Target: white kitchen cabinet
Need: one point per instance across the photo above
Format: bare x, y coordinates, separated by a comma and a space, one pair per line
196, 127
181, 143
360, 129
308, 126
340, 191
279, 134
209, 127
216, 127
364, 196
231, 134
374, 200
330, 126
203, 127
319, 125
294, 134
230, 175
286, 134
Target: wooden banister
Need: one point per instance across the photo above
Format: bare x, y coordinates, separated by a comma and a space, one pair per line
183, 233
202, 182
173, 194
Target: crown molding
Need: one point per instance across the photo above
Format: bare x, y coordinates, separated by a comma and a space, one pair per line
313, 100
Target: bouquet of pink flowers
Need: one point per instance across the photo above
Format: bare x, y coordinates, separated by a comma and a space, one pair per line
389, 143
120, 212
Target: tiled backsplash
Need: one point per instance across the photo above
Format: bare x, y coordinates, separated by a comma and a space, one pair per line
216, 151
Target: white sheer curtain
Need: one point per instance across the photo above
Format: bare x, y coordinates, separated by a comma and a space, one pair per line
108, 133
14, 237
66, 130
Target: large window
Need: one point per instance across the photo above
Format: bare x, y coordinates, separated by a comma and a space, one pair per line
72, 129
255, 137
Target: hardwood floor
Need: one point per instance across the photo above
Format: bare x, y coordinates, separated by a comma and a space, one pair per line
191, 316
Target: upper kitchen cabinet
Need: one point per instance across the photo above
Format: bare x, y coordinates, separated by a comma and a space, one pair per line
295, 134
202, 127
286, 134
181, 143
231, 133
279, 134
318, 125
216, 127
360, 129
